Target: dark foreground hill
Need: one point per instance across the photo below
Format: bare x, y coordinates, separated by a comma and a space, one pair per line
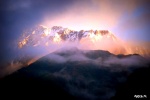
73, 74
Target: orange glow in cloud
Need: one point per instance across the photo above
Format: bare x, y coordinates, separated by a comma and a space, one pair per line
83, 17
96, 15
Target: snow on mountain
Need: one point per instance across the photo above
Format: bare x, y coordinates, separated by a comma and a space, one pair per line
87, 39
60, 34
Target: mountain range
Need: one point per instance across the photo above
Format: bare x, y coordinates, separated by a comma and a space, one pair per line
83, 39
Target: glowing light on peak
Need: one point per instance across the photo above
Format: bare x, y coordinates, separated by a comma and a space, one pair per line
46, 31
57, 38
93, 37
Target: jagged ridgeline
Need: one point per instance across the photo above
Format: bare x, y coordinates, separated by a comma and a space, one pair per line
87, 39
56, 34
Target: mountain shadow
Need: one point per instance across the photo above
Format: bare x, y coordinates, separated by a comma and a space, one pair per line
78, 75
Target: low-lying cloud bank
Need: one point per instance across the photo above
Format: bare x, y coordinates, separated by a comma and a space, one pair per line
73, 54
86, 74
93, 74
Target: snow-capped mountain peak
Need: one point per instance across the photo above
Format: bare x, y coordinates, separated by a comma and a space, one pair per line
87, 39
60, 34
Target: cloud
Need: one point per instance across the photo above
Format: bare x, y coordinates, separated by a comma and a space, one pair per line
117, 16
56, 58
19, 15
90, 78
93, 14
82, 75
7, 69
134, 60
85, 76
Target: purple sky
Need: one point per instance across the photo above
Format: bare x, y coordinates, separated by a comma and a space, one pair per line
127, 19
